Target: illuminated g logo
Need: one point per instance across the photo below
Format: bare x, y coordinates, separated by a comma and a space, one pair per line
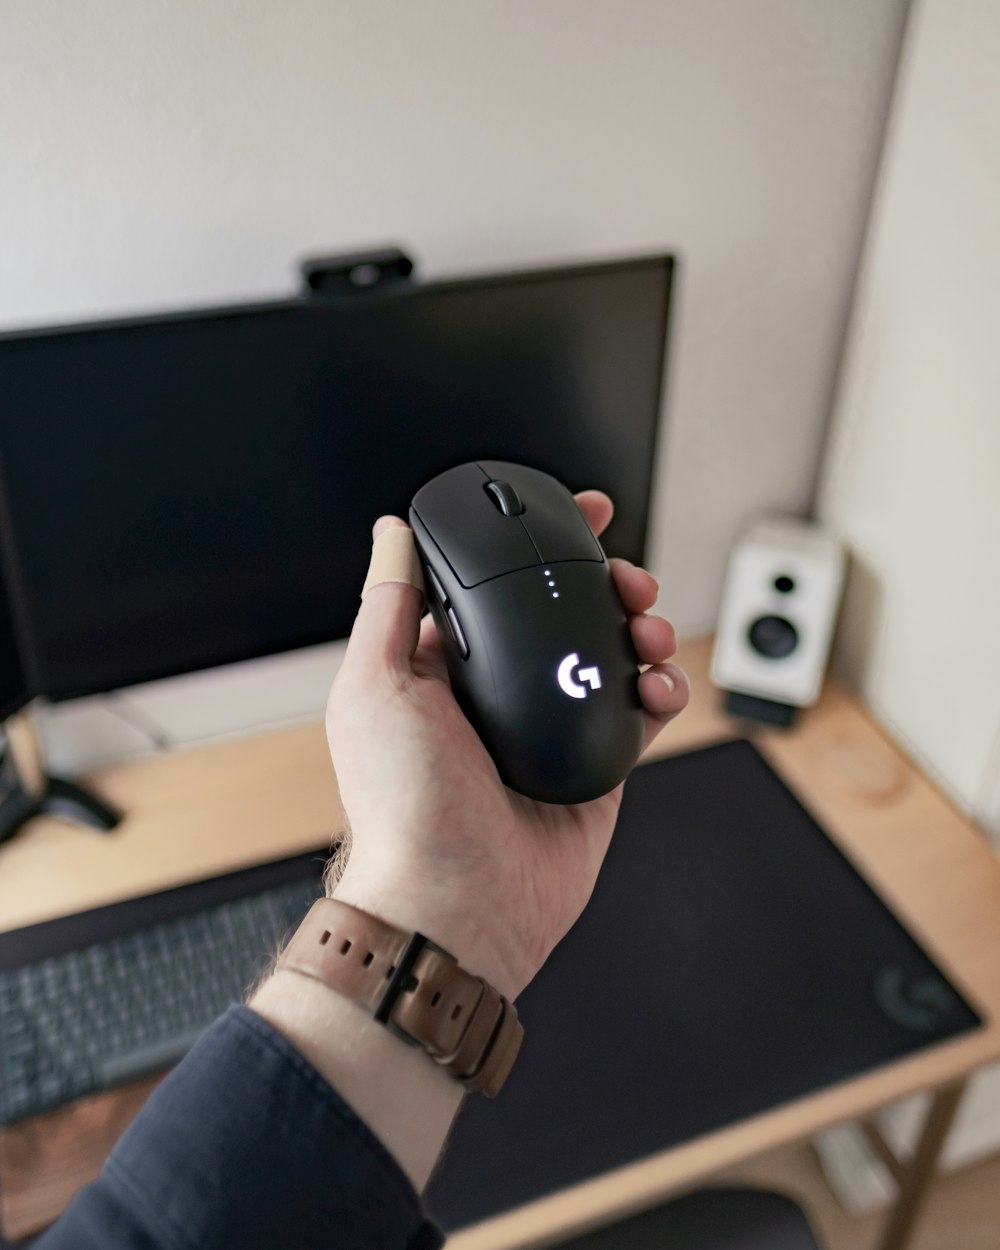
572, 687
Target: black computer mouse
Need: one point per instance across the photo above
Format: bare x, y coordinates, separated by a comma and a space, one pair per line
537, 642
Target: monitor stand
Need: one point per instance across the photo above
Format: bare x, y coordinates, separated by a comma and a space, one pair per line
28, 791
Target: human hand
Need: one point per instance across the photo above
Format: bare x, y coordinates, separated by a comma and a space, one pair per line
438, 843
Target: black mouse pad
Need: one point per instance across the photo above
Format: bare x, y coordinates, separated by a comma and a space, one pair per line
731, 959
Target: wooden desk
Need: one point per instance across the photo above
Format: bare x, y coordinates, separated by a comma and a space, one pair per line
202, 812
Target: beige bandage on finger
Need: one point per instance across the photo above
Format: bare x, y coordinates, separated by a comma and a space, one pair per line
394, 559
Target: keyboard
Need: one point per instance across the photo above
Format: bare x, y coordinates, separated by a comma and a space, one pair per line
91, 1001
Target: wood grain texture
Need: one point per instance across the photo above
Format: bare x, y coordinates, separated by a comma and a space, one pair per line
208, 811
45, 1160
188, 815
962, 1213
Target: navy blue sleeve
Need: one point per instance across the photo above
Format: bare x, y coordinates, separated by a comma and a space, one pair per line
245, 1144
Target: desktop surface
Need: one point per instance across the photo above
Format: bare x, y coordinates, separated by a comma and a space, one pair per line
730, 960
194, 814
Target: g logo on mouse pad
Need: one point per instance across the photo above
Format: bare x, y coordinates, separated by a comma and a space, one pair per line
917, 1002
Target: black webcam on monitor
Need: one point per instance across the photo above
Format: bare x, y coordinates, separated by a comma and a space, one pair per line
356, 272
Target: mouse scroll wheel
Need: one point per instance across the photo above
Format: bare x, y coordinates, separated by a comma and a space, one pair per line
505, 497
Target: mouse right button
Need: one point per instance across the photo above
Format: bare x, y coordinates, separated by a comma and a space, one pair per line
550, 515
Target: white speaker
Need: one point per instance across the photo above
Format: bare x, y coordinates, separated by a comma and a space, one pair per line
779, 607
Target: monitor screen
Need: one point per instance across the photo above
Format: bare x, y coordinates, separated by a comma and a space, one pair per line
13, 685
193, 490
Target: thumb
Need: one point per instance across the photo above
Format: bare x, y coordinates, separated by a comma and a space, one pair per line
387, 626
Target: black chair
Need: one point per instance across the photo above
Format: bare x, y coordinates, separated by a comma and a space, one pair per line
708, 1219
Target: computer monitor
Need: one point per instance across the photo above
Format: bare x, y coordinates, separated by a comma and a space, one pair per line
14, 695
14, 689
191, 490
14, 692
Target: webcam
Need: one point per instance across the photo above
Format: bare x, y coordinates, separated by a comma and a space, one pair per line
356, 272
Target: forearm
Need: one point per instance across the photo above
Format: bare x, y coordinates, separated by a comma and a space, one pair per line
245, 1144
405, 1100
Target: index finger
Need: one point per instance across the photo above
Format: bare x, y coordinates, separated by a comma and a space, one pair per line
597, 508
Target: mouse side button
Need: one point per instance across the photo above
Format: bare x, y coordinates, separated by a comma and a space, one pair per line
434, 582
457, 633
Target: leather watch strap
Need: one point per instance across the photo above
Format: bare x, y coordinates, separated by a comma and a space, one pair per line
412, 986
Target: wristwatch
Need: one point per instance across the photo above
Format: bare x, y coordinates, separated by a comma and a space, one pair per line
414, 987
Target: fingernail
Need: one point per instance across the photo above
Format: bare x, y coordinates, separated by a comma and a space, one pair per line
667, 680
381, 525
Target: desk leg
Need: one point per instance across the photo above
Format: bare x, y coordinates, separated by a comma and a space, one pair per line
916, 1175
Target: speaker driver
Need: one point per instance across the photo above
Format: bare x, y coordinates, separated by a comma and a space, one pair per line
773, 636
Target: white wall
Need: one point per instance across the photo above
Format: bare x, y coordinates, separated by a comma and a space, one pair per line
912, 479
170, 152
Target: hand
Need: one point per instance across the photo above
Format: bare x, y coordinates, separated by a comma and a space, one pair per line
438, 843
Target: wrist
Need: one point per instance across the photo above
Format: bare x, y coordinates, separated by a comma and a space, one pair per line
438, 911
411, 987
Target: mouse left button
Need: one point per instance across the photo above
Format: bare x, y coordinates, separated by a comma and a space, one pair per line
470, 531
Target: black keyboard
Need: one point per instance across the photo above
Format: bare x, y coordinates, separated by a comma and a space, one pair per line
91, 1001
